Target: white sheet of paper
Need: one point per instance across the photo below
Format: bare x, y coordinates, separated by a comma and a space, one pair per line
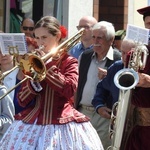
138, 34
13, 43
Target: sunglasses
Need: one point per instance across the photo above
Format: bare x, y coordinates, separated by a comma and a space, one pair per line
26, 28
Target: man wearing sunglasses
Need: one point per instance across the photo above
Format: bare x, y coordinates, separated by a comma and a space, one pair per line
27, 27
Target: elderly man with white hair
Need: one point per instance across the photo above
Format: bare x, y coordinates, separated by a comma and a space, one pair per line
92, 64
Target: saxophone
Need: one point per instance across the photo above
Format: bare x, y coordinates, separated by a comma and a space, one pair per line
126, 79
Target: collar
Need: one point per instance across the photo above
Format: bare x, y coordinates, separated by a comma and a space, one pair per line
109, 54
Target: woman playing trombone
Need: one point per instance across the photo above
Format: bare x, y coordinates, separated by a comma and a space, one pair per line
52, 123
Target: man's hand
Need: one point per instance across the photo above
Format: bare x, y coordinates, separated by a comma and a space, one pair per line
144, 80
104, 112
102, 73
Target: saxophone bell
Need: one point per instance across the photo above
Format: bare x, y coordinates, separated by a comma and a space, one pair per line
126, 79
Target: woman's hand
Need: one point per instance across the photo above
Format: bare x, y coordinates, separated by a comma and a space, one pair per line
39, 52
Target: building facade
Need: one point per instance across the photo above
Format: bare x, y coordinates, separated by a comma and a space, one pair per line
68, 12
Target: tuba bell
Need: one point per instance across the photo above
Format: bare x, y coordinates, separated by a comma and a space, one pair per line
126, 80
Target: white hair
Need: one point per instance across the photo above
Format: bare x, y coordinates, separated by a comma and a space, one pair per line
110, 30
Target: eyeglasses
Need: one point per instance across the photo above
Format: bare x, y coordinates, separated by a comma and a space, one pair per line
26, 28
85, 27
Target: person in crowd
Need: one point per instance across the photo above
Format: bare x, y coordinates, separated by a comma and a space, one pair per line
6, 63
146, 16
7, 111
101, 102
27, 26
119, 36
87, 23
52, 123
14, 77
15, 18
140, 134
91, 62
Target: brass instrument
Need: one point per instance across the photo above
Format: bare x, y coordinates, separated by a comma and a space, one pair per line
36, 65
33, 66
126, 80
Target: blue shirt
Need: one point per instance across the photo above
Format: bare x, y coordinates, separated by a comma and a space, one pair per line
106, 92
18, 108
78, 49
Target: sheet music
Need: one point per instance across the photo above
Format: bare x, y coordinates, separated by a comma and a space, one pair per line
138, 34
13, 43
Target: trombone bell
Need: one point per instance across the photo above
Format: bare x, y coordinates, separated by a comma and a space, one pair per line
34, 67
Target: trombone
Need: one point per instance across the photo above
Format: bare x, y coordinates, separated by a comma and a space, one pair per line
33, 66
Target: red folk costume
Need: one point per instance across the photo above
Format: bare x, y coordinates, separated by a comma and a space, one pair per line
58, 89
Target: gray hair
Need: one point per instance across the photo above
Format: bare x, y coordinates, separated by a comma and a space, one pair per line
110, 30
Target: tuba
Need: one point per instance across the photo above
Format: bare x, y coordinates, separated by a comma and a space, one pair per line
126, 80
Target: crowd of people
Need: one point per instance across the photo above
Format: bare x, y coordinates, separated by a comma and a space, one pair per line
70, 108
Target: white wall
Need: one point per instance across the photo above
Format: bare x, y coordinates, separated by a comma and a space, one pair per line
133, 16
73, 11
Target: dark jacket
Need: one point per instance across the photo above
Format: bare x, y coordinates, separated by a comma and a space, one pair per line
83, 70
107, 87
